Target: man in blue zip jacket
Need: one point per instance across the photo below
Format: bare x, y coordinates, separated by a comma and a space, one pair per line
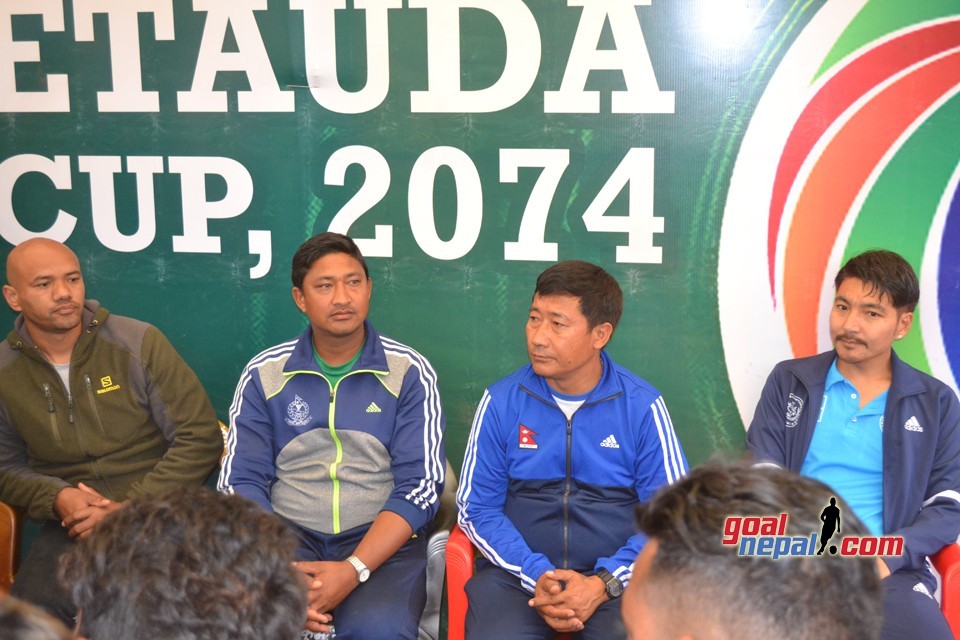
340, 432
883, 435
559, 455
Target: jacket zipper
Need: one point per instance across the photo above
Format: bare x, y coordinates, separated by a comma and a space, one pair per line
93, 403
568, 479
96, 414
336, 440
566, 496
52, 412
339, 457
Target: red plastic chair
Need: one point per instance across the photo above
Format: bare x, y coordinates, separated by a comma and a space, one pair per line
9, 545
460, 556
947, 563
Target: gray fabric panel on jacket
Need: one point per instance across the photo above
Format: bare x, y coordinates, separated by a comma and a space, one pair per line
271, 376
398, 366
303, 491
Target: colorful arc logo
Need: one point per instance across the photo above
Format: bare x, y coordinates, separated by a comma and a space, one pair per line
852, 146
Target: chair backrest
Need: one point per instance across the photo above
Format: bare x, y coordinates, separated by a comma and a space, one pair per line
9, 545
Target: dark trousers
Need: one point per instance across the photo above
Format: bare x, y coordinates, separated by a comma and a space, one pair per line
37, 582
388, 606
497, 609
909, 613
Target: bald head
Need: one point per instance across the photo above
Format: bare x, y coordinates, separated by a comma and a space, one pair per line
45, 286
29, 257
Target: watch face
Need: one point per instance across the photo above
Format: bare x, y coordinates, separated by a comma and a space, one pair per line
614, 588
364, 574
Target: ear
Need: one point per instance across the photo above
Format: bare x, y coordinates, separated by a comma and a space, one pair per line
12, 297
601, 335
298, 299
904, 322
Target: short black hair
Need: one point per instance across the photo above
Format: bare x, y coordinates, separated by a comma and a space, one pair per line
601, 299
700, 583
188, 563
885, 272
317, 247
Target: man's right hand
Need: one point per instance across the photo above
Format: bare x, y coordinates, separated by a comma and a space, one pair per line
81, 508
71, 499
560, 619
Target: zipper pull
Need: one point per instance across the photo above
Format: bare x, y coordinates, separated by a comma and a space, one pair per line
70, 408
46, 392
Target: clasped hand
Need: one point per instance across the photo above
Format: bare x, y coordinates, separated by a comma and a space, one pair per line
81, 509
328, 583
566, 599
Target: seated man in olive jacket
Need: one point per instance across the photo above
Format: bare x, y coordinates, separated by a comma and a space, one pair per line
95, 409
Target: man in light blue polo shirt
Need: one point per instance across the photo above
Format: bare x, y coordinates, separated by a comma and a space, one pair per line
883, 435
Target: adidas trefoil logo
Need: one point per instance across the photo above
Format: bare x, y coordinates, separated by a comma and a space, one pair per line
373, 408
610, 442
913, 425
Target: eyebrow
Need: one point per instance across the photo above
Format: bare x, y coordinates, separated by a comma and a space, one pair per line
552, 314
352, 274
48, 276
867, 305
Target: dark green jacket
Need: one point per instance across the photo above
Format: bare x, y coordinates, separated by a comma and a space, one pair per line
137, 420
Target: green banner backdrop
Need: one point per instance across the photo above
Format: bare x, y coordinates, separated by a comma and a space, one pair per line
185, 149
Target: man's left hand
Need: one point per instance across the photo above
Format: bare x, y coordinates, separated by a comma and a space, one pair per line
581, 594
329, 583
80, 523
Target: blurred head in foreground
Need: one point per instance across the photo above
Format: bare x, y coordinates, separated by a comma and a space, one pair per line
687, 584
187, 564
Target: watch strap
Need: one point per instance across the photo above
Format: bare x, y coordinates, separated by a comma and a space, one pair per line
614, 587
362, 571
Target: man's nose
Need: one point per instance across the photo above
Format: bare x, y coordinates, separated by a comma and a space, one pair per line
340, 293
538, 335
851, 324
61, 291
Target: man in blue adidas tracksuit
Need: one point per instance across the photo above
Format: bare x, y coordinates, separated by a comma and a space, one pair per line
559, 455
340, 432
883, 435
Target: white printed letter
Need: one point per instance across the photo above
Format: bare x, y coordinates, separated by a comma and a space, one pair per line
103, 203
252, 59
123, 18
58, 170
643, 95
443, 57
197, 210
320, 47
55, 98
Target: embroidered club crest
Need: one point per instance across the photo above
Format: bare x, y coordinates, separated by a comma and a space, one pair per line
525, 438
794, 409
298, 413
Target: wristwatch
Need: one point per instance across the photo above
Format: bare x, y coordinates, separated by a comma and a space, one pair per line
363, 574
614, 586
